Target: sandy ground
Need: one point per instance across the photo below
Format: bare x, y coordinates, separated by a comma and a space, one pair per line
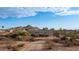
35, 46
38, 45
74, 48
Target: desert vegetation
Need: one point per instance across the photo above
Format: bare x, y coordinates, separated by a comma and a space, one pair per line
31, 38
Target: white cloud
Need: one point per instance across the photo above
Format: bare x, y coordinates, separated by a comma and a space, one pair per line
70, 12
19, 12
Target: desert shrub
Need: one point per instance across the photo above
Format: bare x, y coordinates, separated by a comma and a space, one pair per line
56, 34
16, 47
50, 44
32, 39
20, 45
20, 35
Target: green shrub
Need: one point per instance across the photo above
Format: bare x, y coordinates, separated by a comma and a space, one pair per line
20, 35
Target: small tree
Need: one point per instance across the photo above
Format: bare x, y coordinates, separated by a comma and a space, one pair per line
2, 26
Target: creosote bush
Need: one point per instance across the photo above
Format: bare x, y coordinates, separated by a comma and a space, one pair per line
20, 35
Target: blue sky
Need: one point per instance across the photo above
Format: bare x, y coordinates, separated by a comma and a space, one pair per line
51, 17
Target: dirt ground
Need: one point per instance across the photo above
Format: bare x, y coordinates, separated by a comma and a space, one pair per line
38, 44
33, 46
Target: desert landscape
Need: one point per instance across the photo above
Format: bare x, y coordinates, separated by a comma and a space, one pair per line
31, 38
39, 28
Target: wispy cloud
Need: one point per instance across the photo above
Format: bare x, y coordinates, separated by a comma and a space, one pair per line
19, 12
68, 12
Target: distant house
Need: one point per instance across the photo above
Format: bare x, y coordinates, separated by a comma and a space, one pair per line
41, 33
